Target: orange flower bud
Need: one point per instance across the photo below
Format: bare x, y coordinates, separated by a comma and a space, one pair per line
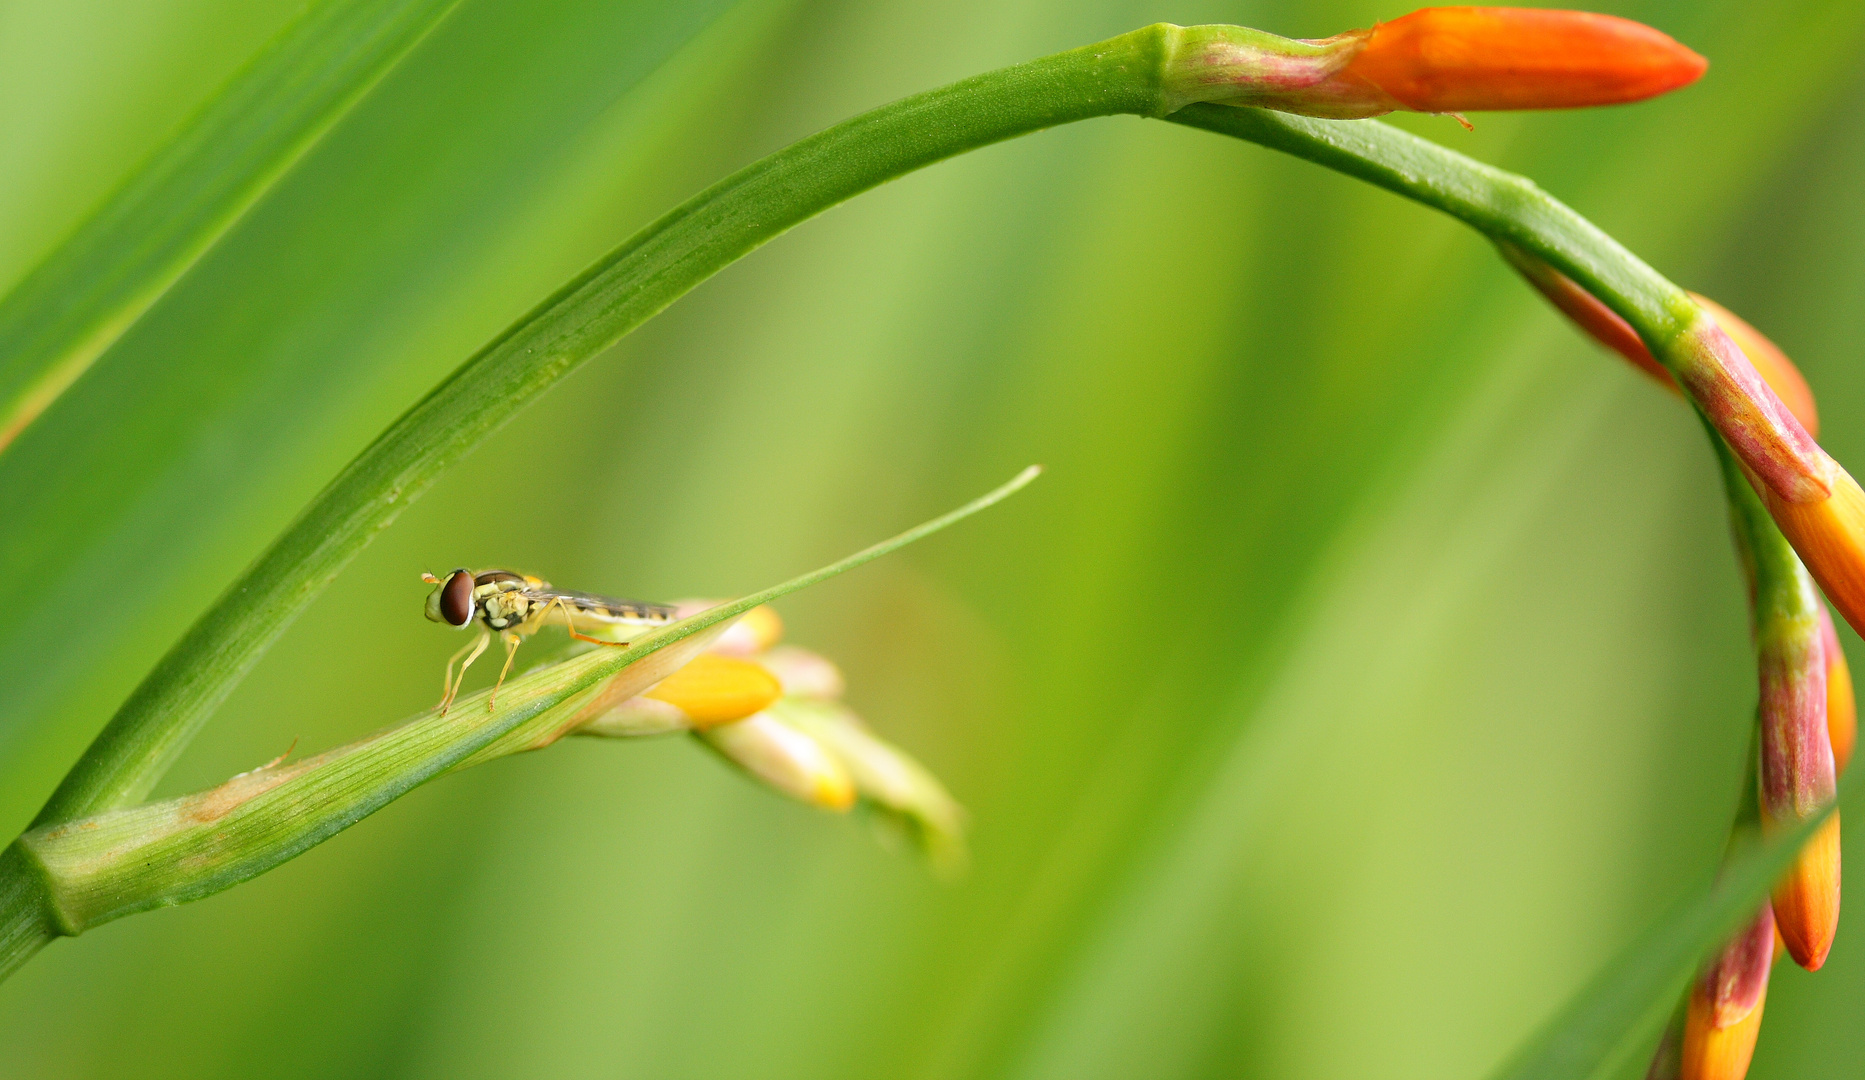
1842, 710
1461, 59
1723, 1015
1442, 60
1718, 1053
1797, 779
1806, 901
1770, 442
1731, 986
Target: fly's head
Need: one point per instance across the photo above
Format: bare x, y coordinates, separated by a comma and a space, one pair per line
452, 601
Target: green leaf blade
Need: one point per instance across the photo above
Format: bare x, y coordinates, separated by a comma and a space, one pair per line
145, 235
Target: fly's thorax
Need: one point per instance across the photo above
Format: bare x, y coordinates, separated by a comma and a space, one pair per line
502, 609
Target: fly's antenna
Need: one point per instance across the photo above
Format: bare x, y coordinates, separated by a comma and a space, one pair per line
429, 578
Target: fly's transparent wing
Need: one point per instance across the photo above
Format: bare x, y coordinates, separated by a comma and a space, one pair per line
602, 609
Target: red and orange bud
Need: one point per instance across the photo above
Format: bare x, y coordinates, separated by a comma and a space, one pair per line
1438, 60
1724, 1013
1806, 901
1767, 438
1713, 1053
1797, 778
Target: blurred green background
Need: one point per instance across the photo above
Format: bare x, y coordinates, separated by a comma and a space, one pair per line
1370, 666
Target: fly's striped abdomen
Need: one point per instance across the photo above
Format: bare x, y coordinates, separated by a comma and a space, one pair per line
601, 609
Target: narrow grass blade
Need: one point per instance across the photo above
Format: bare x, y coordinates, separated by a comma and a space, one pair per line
70, 308
1615, 1019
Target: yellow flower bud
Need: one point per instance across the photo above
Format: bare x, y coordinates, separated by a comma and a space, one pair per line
785, 758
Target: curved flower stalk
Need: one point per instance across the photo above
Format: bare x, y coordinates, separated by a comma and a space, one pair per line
64, 878
1605, 326
1815, 502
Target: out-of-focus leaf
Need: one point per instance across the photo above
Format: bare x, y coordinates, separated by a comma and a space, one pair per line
1614, 1020
76, 303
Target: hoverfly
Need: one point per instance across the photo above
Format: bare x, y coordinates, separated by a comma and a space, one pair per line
515, 606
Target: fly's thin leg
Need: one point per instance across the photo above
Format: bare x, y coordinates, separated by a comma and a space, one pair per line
471, 651
569, 623
512, 641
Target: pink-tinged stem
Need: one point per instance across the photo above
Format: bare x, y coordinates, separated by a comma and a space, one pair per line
1761, 430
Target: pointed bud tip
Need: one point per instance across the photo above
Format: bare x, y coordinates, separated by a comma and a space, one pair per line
1806, 901
1469, 59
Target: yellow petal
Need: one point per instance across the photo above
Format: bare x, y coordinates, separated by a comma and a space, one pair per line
716, 689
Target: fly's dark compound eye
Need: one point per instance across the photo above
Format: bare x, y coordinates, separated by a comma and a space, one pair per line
456, 598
